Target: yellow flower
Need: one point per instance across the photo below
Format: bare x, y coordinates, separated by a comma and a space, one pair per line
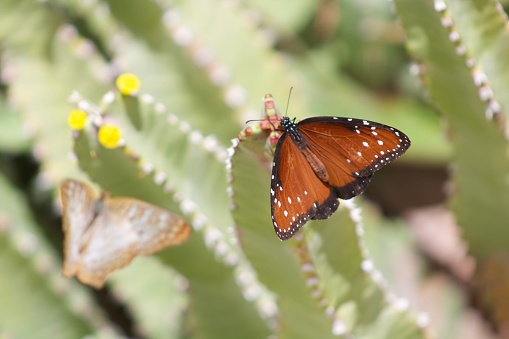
77, 119
109, 136
128, 83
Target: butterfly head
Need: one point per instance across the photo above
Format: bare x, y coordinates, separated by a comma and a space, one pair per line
291, 128
288, 124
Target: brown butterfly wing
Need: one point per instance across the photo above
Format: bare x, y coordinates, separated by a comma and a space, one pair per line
352, 150
297, 194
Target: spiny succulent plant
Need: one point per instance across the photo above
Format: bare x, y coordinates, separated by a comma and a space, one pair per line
196, 73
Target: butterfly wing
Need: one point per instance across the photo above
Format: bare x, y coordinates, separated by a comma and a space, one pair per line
155, 228
352, 150
107, 249
78, 208
127, 228
297, 194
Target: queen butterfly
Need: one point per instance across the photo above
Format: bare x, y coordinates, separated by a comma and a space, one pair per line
321, 159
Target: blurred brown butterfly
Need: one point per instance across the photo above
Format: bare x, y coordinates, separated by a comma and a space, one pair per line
104, 234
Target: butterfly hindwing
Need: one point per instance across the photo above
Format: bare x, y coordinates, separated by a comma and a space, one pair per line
110, 247
297, 195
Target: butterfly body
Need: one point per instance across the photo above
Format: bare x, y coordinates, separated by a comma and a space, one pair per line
321, 159
292, 131
104, 234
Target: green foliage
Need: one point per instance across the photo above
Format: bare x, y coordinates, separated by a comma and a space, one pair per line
481, 191
37, 301
465, 78
216, 304
203, 67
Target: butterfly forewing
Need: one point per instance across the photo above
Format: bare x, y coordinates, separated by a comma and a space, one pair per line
352, 150
329, 158
297, 195
78, 208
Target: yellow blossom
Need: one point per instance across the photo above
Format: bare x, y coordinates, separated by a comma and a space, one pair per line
128, 83
109, 136
77, 119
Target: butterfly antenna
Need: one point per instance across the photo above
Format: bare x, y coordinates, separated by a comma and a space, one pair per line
252, 120
288, 102
258, 120
273, 127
